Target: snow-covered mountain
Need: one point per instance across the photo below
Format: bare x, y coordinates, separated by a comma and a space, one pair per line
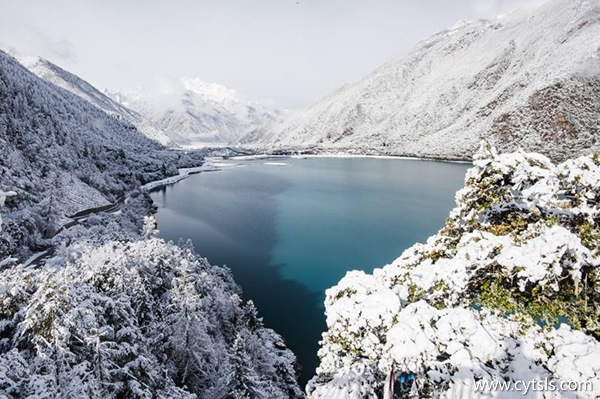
62, 154
195, 113
529, 80
73, 83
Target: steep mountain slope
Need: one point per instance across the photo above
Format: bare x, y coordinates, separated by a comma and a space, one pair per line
530, 81
73, 83
61, 154
196, 113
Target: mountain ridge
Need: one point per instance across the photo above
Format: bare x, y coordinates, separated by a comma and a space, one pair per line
78, 86
96, 157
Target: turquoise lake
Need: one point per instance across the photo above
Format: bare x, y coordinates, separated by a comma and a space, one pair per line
291, 228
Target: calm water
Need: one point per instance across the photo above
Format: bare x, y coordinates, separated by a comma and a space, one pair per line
290, 232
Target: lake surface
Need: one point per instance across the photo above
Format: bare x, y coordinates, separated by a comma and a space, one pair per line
291, 228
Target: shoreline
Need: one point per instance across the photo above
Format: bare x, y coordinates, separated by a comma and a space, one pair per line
184, 173
343, 155
214, 164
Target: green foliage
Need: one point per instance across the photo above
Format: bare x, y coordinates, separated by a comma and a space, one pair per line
589, 233
348, 292
415, 293
513, 223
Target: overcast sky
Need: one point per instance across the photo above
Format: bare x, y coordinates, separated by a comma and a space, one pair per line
290, 51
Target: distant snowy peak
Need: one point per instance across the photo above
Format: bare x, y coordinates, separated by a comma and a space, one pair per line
193, 112
460, 24
211, 91
529, 79
73, 83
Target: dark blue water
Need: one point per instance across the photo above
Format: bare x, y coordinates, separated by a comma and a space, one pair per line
289, 232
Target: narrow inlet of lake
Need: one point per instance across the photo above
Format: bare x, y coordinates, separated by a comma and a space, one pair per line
289, 229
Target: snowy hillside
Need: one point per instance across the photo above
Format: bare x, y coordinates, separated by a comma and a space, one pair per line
68, 81
522, 81
61, 154
196, 113
485, 300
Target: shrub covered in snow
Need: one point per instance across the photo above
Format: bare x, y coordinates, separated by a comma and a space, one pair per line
509, 289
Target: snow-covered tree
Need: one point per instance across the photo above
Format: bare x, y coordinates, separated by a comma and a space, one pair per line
3, 196
244, 383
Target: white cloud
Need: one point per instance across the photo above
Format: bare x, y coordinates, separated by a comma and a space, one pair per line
493, 8
289, 51
24, 40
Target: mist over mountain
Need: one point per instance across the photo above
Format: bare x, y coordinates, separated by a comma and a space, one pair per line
94, 304
193, 112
